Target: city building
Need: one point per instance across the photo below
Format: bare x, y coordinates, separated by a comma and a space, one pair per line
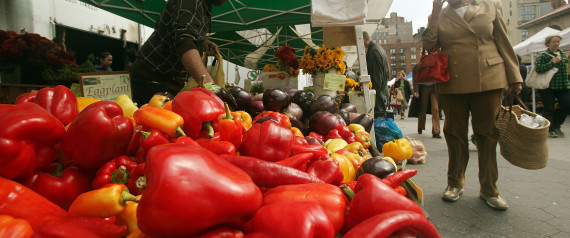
517, 12
395, 35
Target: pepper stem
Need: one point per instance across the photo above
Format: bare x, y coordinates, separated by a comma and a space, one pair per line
58, 170
208, 126
228, 112
180, 131
347, 192
126, 196
141, 182
201, 81
120, 176
145, 134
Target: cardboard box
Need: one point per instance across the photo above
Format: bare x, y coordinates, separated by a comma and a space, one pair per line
339, 36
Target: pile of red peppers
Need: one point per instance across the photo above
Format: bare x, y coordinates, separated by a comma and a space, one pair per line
189, 167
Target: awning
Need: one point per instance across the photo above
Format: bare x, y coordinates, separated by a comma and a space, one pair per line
249, 31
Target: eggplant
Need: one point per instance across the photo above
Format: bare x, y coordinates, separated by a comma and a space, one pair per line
227, 97
261, 120
256, 108
366, 120
376, 166
313, 140
243, 98
349, 107
276, 100
290, 91
299, 124
295, 111
324, 103
322, 122
345, 115
304, 98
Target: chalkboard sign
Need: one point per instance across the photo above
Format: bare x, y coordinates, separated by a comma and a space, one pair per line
105, 86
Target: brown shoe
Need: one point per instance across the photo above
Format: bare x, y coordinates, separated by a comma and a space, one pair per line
451, 194
403, 116
436, 136
497, 203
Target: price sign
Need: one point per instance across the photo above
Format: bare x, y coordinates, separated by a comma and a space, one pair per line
106, 86
334, 82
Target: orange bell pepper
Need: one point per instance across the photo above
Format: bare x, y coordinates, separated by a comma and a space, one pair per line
354, 158
14, 227
245, 119
357, 148
364, 138
346, 167
168, 106
104, 202
296, 131
158, 100
159, 118
398, 150
128, 216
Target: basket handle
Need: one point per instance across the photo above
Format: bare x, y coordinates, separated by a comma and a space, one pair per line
510, 99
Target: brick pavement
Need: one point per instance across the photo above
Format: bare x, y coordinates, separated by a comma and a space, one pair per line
538, 199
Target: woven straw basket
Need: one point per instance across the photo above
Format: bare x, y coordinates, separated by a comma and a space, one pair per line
522, 146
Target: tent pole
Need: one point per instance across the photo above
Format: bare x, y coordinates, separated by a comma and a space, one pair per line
364, 76
533, 90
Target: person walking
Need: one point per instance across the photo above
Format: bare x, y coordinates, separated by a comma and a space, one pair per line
377, 65
404, 88
424, 98
482, 63
559, 89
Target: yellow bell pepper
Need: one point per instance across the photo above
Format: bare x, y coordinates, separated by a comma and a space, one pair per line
127, 104
355, 159
103, 202
356, 128
128, 216
245, 119
346, 167
83, 102
158, 100
335, 144
296, 131
356, 147
398, 150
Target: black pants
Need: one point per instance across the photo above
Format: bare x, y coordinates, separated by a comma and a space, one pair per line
144, 87
558, 116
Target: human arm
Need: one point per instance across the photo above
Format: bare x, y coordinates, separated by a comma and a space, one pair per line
505, 48
192, 62
429, 37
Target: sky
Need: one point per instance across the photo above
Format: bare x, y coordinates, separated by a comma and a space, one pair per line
416, 11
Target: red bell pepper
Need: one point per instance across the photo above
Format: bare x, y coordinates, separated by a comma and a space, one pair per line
375, 197
116, 171
399, 177
333, 134
161, 119
98, 134
330, 198
297, 140
19, 201
218, 147
386, 224
77, 226
190, 189
152, 138
59, 101
298, 161
210, 94
196, 108
27, 139
134, 143
267, 141
319, 151
61, 185
137, 181
223, 232
26, 97
282, 118
327, 170
287, 219
317, 136
185, 140
14, 227
103, 202
268, 174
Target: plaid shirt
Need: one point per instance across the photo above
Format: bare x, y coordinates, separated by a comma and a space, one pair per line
181, 21
544, 63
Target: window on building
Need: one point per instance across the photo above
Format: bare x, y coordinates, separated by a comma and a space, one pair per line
393, 72
528, 13
384, 41
392, 51
403, 57
413, 57
413, 49
403, 65
393, 65
392, 57
524, 34
402, 50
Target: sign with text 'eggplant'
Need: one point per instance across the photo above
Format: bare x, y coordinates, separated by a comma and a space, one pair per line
106, 86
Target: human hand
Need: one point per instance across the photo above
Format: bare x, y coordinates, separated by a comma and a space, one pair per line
515, 88
211, 48
435, 12
416, 94
557, 59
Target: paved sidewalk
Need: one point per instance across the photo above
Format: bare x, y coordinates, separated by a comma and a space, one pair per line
539, 204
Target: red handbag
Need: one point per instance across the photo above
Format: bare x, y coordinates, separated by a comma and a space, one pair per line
432, 68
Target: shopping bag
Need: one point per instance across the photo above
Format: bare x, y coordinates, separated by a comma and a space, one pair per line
432, 68
386, 130
216, 71
419, 152
542, 80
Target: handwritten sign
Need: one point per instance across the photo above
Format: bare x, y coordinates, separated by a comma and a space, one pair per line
334, 82
105, 86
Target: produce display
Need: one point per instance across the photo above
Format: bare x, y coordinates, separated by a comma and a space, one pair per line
221, 163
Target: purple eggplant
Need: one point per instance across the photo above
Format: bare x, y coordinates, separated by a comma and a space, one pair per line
242, 96
322, 122
313, 140
349, 107
324, 103
304, 98
365, 119
276, 100
228, 98
345, 115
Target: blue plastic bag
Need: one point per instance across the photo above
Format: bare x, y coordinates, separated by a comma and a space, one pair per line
385, 130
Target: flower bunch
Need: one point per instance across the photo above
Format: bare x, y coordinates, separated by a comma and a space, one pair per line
270, 68
322, 59
32, 49
351, 85
287, 60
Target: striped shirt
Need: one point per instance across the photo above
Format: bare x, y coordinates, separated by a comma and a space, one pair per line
544, 63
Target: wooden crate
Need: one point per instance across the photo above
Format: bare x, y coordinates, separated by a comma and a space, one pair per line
10, 91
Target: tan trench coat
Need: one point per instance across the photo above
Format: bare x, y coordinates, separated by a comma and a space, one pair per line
481, 58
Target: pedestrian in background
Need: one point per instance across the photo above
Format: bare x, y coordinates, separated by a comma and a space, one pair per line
482, 63
105, 60
425, 98
379, 71
402, 85
559, 89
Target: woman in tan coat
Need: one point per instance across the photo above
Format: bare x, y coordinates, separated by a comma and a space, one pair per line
481, 64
